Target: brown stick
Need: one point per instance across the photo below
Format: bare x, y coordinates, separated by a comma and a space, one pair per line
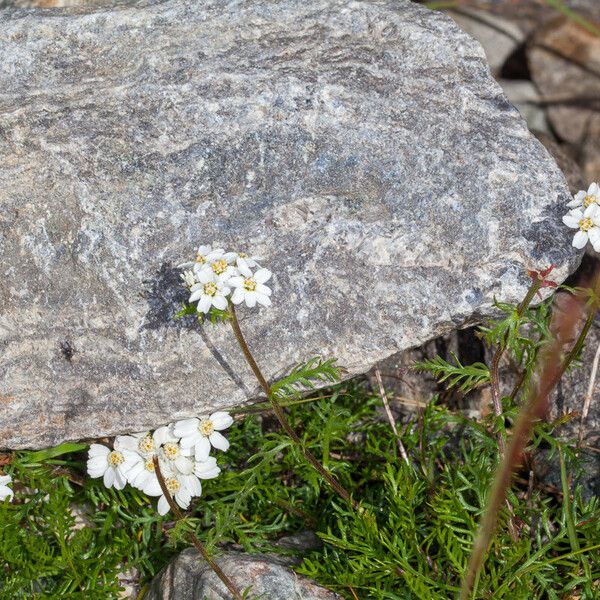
390, 416
280, 413
588, 396
197, 543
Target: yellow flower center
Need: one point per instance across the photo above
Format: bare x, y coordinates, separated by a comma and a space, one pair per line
115, 458
149, 465
206, 427
219, 266
210, 289
171, 450
590, 199
242, 255
249, 284
200, 259
173, 485
586, 224
146, 444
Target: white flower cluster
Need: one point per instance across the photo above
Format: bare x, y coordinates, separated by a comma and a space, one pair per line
5, 491
585, 217
183, 453
216, 276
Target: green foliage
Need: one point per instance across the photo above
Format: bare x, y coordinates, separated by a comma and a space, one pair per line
214, 315
412, 541
466, 377
305, 377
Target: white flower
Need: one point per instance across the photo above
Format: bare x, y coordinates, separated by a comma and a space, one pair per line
181, 487
250, 287
179, 490
171, 452
189, 279
251, 262
5, 491
583, 199
588, 223
143, 443
112, 465
220, 266
209, 291
201, 434
204, 254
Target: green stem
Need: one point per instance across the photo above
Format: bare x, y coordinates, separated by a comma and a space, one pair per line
197, 543
280, 413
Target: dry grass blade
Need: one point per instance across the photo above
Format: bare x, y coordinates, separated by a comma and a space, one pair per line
390, 416
588, 396
551, 367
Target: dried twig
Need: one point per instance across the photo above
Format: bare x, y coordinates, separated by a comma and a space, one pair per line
390, 416
590, 392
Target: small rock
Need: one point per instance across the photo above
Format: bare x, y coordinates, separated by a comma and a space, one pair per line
188, 577
563, 156
529, 15
564, 60
498, 36
527, 100
302, 541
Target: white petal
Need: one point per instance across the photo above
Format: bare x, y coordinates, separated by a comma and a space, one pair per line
184, 465
120, 480
162, 435
263, 289
594, 189
162, 506
98, 450
185, 427
202, 449
152, 486
219, 441
219, 302
262, 299
262, 275
236, 281
206, 276
594, 235
204, 304
192, 483
238, 295
245, 271
570, 220
580, 239
183, 497
189, 441
250, 299
126, 442
109, 477
5, 492
195, 296
5, 479
221, 420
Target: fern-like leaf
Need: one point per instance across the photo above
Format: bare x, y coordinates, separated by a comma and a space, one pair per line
466, 377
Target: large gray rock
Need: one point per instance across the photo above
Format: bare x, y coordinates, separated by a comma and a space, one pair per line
188, 577
362, 148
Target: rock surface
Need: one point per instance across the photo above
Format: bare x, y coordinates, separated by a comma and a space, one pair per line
362, 148
189, 578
